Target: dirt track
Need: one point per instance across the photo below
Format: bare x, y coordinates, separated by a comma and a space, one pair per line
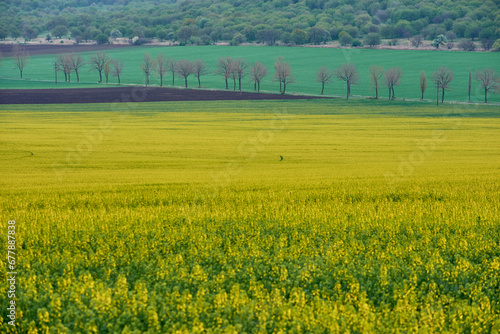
129, 94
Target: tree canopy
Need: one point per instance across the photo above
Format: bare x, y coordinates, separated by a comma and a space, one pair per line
265, 21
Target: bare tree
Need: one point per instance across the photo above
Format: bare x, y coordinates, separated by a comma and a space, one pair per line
488, 80
116, 68
225, 68
349, 74
324, 75
161, 67
470, 82
184, 69
392, 77
423, 83
283, 73
147, 66
97, 62
442, 77
376, 73
107, 70
199, 69
20, 58
239, 67
56, 69
258, 71
66, 65
171, 66
76, 61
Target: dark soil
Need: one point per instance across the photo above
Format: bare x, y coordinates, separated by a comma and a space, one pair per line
49, 49
130, 94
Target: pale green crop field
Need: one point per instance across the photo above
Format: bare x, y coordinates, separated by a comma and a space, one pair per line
305, 62
181, 217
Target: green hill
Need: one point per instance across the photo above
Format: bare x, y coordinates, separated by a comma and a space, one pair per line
288, 21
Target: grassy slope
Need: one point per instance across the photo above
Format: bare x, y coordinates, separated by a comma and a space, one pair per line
304, 61
180, 216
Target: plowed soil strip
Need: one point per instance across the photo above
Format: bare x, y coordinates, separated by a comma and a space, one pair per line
130, 94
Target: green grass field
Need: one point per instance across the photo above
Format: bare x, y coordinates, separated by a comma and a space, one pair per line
180, 217
304, 61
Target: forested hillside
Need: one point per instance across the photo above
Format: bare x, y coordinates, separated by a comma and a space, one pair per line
237, 21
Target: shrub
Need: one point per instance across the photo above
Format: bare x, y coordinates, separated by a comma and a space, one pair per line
344, 38
372, 39
356, 42
102, 39
496, 45
467, 45
416, 41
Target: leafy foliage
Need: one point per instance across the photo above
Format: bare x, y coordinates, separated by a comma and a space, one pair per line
265, 21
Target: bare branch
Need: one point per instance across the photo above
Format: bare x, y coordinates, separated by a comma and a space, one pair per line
20, 58
147, 66
488, 80
324, 75
97, 62
184, 69
199, 69
116, 68
258, 72
442, 78
349, 74
376, 73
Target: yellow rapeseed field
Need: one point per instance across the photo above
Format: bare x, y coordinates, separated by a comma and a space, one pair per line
252, 217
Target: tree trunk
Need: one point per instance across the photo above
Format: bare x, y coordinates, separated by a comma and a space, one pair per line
118, 78
470, 82
393, 92
227, 85
322, 87
69, 76
284, 87
77, 76
422, 95
65, 76
161, 80
173, 79
485, 95
186, 81
21, 73
100, 76
239, 84
199, 82
442, 97
280, 86
389, 93
234, 84
437, 95
55, 73
255, 86
258, 87
376, 90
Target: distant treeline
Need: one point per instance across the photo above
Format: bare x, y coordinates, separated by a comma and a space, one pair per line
286, 21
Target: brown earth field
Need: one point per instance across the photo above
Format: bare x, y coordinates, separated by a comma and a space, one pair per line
48, 49
130, 94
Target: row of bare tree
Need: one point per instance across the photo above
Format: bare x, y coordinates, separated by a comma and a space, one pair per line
392, 77
101, 62
237, 68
